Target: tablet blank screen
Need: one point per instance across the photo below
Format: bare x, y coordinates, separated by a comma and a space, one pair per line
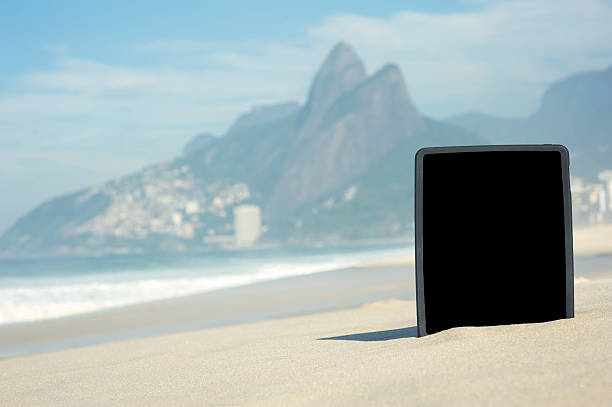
493, 238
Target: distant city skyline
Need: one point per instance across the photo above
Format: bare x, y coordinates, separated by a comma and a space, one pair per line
92, 91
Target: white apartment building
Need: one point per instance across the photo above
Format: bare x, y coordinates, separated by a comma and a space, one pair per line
592, 203
606, 178
247, 224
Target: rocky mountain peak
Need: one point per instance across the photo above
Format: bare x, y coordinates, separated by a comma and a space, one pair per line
340, 72
390, 72
385, 94
340, 60
361, 126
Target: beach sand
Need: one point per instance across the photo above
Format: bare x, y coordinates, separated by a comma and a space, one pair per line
366, 355
593, 240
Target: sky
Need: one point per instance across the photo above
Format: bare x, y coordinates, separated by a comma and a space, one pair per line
95, 90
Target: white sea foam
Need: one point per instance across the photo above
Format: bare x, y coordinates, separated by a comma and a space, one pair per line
42, 298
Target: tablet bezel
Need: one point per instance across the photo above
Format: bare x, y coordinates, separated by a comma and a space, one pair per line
567, 216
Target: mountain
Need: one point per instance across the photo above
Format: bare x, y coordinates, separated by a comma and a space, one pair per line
359, 127
263, 114
341, 71
575, 111
336, 169
198, 142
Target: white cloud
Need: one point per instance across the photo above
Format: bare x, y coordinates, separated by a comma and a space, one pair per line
92, 78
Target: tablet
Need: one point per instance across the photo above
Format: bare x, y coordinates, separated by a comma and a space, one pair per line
493, 236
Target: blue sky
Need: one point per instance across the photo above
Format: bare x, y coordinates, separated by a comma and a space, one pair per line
97, 29
93, 90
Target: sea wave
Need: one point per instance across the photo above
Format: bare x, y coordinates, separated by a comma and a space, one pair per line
70, 296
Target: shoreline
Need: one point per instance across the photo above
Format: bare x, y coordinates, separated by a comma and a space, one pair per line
285, 297
588, 241
405, 241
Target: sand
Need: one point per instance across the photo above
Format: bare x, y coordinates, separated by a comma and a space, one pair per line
592, 240
366, 355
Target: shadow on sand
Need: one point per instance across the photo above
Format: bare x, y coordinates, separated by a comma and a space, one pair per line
389, 334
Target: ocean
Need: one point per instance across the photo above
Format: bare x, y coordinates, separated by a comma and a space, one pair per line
36, 289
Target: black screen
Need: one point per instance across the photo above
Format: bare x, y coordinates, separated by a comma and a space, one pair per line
493, 238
